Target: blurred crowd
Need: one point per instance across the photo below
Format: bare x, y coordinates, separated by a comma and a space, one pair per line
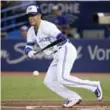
59, 19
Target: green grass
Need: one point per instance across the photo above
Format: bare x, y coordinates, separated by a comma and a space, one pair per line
32, 88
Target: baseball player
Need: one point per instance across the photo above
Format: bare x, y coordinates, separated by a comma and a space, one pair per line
52, 42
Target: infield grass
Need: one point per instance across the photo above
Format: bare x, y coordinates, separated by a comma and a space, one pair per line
32, 88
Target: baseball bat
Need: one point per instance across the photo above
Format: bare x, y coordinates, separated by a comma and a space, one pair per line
50, 45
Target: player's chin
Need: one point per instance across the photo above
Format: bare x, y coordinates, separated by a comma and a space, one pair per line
32, 24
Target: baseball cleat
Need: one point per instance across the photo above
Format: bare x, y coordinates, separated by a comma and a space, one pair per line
98, 92
71, 103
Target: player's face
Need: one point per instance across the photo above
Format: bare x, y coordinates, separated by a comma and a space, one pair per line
34, 20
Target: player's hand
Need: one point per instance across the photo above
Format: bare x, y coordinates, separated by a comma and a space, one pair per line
32, 55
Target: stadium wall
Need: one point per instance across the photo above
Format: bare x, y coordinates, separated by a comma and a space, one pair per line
93, 56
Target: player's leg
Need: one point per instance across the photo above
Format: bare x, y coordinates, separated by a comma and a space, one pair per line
64, 67
51, 82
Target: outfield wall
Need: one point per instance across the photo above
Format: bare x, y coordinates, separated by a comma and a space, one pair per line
93, 56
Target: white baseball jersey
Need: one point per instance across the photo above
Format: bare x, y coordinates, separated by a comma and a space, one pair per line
45, 35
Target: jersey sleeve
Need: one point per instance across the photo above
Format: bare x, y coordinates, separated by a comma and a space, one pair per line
30, 41
54, 31
30, 37
57, 34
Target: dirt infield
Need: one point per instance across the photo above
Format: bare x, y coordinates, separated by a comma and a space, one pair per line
53, 105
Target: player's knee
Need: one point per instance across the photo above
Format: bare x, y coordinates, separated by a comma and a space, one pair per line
62, 79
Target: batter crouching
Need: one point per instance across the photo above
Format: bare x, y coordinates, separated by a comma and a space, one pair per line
44, 33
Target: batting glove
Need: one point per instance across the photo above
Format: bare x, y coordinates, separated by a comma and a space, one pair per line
32, 55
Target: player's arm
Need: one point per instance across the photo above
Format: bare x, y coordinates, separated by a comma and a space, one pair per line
55, 32
29, 51
61, 38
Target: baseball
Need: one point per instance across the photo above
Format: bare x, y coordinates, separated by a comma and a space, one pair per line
35, 73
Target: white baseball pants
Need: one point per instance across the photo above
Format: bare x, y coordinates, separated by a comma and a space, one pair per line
58, 74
